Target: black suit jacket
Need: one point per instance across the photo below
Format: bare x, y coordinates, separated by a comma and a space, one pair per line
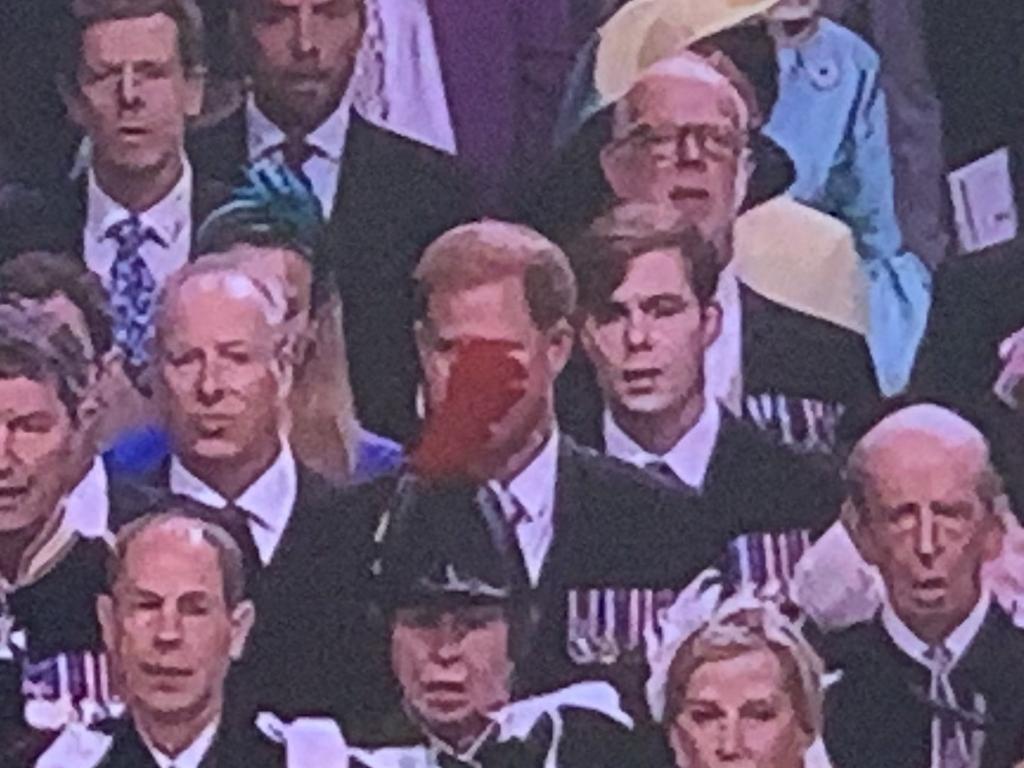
978, 301
395, 196
615, 528
236, 745
803, 379
875, 716
753, 485
304, 655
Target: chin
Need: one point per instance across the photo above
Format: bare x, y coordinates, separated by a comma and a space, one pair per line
215, 449
646, 404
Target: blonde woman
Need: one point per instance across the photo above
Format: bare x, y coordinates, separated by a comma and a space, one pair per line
736, 683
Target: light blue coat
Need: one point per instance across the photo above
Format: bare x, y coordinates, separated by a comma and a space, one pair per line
831, 118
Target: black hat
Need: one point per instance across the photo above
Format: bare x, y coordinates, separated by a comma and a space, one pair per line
448, 544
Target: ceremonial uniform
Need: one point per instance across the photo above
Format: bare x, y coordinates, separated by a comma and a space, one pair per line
900, 703
542, 732
52, 666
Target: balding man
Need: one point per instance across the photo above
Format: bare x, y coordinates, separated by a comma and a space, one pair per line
928, 681
223, 376
175, 619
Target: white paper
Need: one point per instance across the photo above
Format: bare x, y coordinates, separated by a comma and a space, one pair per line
983, 202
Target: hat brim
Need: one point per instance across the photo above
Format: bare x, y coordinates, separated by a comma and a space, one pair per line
645, 32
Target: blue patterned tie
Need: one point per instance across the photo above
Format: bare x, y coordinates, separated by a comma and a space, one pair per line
132, 291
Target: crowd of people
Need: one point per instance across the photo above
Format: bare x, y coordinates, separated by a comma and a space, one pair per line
367, 404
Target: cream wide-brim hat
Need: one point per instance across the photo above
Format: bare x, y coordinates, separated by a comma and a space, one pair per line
644, 32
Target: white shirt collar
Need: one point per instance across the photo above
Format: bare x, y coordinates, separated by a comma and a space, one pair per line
191, 756
956, 643
270, 499
534, 486
87, 507
328, 138
170, 217
689, 458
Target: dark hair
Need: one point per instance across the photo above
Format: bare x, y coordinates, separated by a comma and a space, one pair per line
601, 257
168, 508
750, 50
40, 276
87, 13
34, 345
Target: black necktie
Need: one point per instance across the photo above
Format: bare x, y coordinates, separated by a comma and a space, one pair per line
236, 521
661, 470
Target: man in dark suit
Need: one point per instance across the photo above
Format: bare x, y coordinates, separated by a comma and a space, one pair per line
647, 316
979, 303
131, 76
684, 137
175, 620
223, 372
385, 197
927, 681
493, 334
461, 631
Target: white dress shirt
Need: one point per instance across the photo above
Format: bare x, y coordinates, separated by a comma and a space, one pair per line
87, 507
957, 642
723, 361
328, 140
192, 756
170, 219
398, 82
689, 458
270, 499
529, 498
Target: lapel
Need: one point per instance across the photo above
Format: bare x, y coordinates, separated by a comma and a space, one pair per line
567, 498
127, 749
304, 525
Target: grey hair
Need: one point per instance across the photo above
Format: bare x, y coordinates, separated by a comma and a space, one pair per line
225, 273
945, 427
197, 516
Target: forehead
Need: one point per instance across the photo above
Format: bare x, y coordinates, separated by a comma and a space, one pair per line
654, 273
915, 464
294, 4
172, 558
209, 312
496, 311
754, 674
20, 396
677, 100
151, 38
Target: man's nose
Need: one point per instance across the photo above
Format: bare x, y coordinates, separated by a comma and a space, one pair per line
928, 544
209, 386
448, 643
169, 627
128, 89
6, 452
688, 149
304, 44
638, 329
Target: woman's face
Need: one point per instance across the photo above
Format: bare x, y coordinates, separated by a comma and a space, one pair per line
737, 713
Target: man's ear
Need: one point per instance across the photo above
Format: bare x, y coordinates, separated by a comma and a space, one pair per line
242, 618
108, 621
562, 337
995, 526
195, 89
712, 316
744, 171
72, 99
422, 335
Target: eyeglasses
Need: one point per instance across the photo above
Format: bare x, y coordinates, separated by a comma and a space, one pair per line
664, 145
